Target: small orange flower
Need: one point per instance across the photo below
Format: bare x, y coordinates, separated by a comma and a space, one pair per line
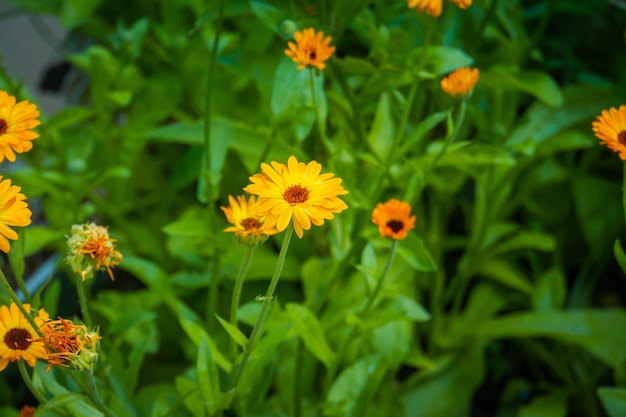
27, 411
91, 249
433, 7
460, 82
392, 218
247, 225
69, 345
16, 124
610, 128
311, 50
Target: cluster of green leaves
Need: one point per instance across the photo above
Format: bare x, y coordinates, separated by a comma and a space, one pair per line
503, 301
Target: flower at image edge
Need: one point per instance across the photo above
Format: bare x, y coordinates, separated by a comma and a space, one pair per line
27, 411
296, 192
91, 249
462, 4
610, 128
248, 226
18, 338
393, 219
431, 7
310, 49
16, 124
13, 212
460, 82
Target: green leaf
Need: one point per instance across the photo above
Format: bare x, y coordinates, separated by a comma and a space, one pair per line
311, 332
208, 380
381, 134
420, 131
537, 83
545, 406
614, 400
233, 332
550, 290
414, 251
440, 60
270, 15
620, 256
505, 273
525, 240
67, 117
592, 329
473, 154
76, 12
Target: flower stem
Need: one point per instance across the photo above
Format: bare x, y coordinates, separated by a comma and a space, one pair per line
318, 118
455, 134
95, 396
234, 304
29, 383
82, 301
17, 301
269, 296
332, 370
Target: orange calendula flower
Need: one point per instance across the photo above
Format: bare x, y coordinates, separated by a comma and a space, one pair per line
460, 82
69, 345
91, 249
248, 226
393, 218
18, 337
311, 50
16, 124
13, 212
27, 411
298, 192
434, 7
610, 128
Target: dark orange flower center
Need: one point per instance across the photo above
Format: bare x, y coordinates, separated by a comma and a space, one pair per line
395, 225
312, 55
3, 126
296, 194
621, 137
17, 339
250, 224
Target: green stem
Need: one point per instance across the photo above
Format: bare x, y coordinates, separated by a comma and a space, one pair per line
83, 302
18, 302
269, 296
455, 134
95, 397
29, 383
334, 367
297, 379
234, 304
486, 18
320, 126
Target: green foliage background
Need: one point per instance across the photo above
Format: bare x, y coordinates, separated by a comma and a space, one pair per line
506, 300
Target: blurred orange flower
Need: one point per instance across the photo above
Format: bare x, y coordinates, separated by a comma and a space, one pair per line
460, 82
393, 218
311, 50
610, 128
16, 124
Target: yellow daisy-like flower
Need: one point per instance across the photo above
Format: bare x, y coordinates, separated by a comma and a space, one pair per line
91, 249
311, 50
16, 124
69, 345
393, 218
610, 128
434, 7
13, 212
248, 226
18, 338
297, 192
460, 82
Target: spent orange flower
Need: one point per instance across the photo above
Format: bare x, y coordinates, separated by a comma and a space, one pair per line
610, 128
311, 49
460, 82
91, 249
434, 7
296, 192
393, 218
27, 411
18, 337
248, 226
13, 212
16, 124
69, 345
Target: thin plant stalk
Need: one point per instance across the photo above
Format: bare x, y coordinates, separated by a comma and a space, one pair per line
95, 396
18, 302
332, 370
455, 134
318, 117
83, 302
269, 296
234, 303
41, 398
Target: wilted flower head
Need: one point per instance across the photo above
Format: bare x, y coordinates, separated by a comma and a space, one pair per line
311, 50
296, 192
460, 82
610, 128
70, 345
13, 212
18, 337
248, 226
91, 249
16, 124
393, 218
